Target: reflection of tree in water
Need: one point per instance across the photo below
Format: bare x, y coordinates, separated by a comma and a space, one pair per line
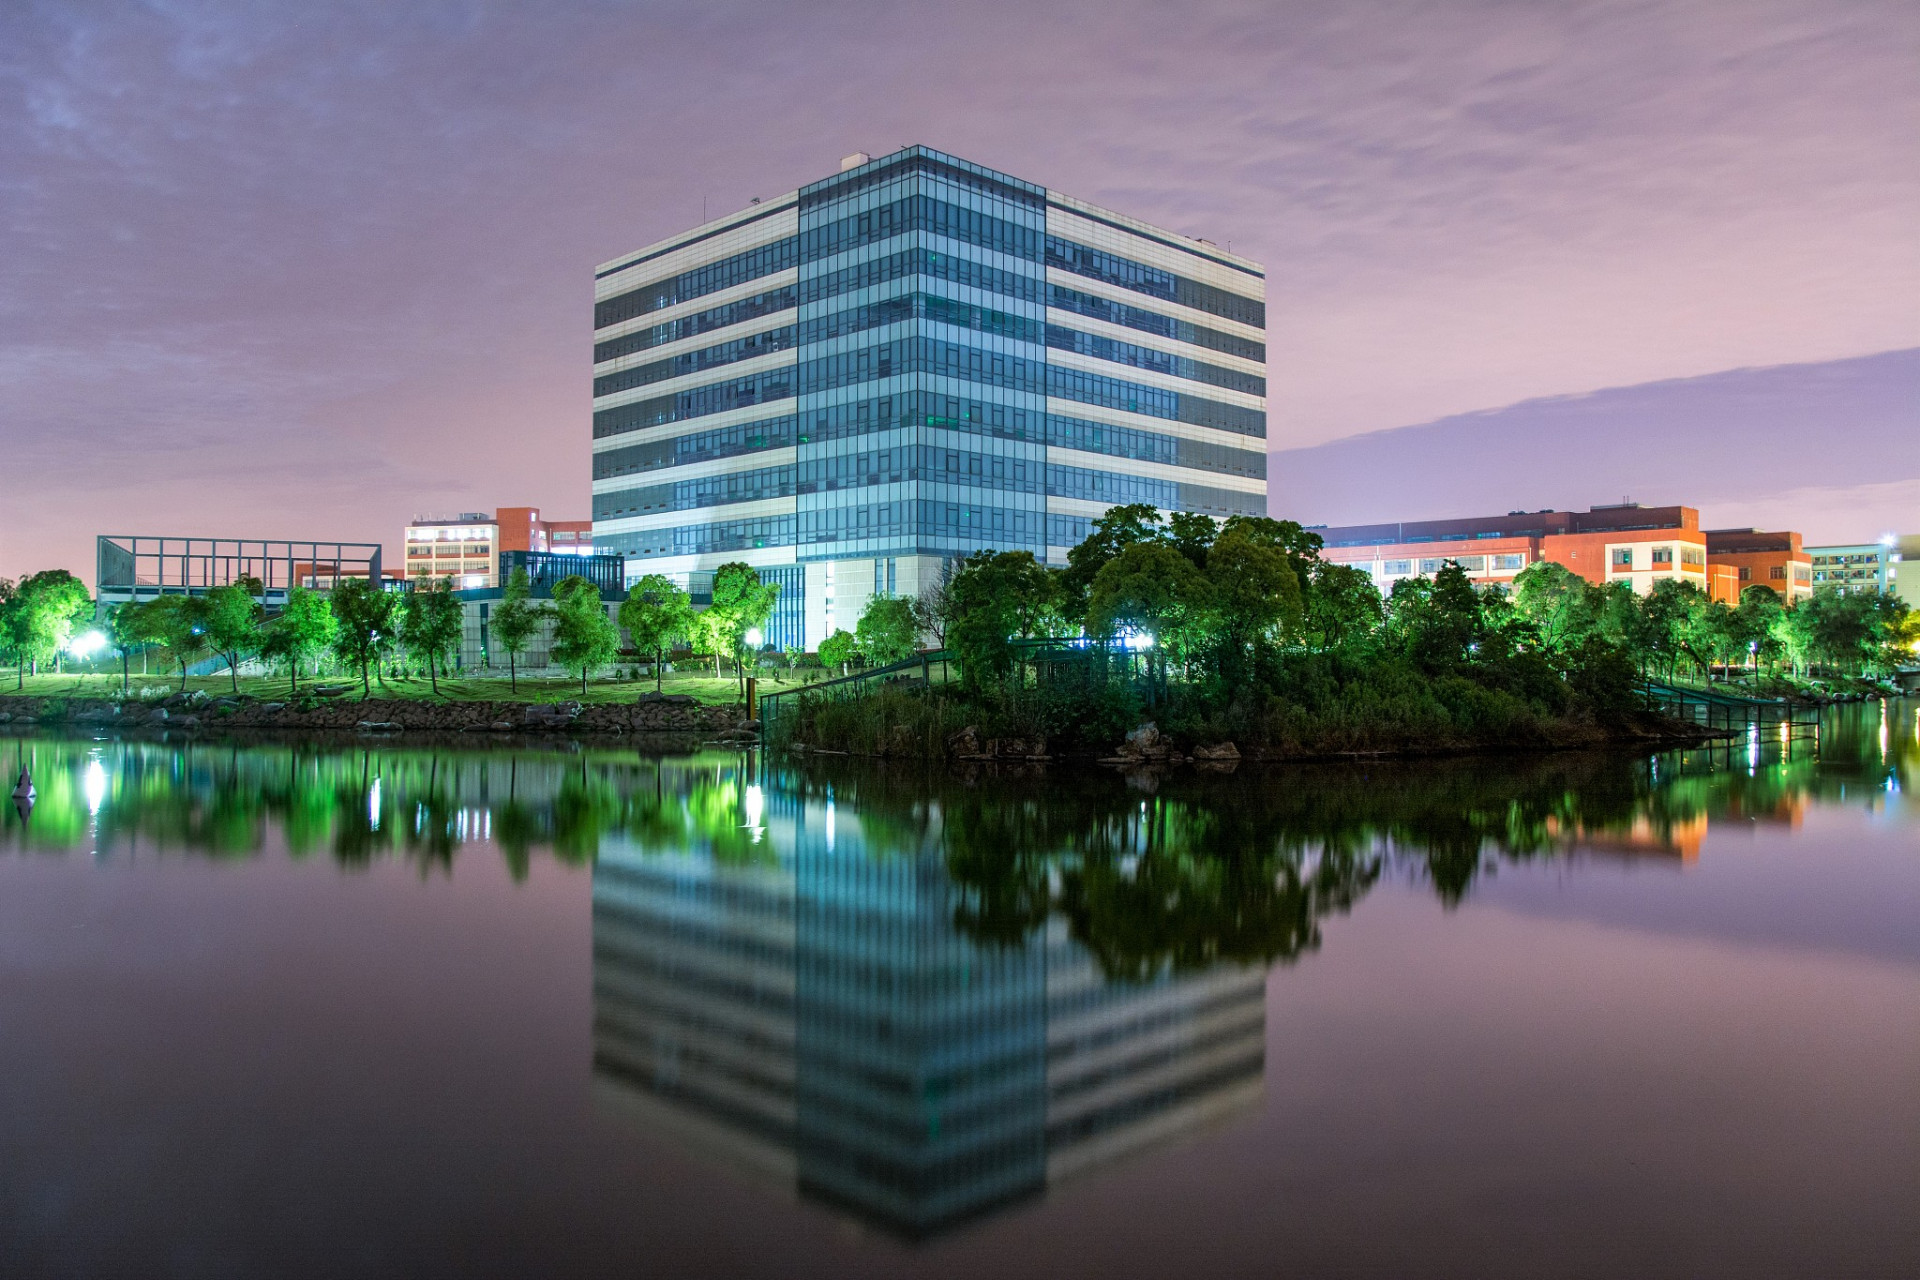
1208, 869
1198, 869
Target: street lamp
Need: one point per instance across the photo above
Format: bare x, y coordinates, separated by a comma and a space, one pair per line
753, 637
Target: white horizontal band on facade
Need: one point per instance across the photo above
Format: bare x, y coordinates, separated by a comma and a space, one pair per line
790, 278
698, 342
782, 457
1059, 457
1152, 342
750, 231
696, 517
1159, 381
1078, 507
694, 381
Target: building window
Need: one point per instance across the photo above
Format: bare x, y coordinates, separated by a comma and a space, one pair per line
1693, 557
1623, 557
1745, 573
1662, 556
1517, 561
1778, 573
1391, 568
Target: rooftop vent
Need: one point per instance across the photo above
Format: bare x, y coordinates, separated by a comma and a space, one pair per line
854, 161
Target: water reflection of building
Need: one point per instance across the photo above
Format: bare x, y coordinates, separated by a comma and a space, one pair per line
817, 1017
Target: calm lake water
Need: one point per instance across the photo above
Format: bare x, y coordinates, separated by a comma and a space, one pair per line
384, 1011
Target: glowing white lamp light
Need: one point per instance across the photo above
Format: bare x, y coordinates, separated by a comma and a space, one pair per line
89, 642
94, 783
753, 637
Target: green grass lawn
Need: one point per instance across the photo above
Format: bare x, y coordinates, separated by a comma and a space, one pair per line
104, 685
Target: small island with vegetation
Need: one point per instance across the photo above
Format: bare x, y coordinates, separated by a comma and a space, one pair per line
1182, 637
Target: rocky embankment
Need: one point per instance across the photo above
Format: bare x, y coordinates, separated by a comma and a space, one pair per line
197, 712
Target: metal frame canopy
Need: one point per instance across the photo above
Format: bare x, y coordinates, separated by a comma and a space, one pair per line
140, 567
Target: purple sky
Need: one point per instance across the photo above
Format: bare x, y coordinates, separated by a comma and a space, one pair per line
305, 270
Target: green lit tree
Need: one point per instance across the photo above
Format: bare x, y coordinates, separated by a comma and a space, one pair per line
181, 621
48, 608
655, 613
837, 650
741, 603
584, 638
364, 614
232, 618
304, 629
888, 630
132, 628
431, 621
516, 620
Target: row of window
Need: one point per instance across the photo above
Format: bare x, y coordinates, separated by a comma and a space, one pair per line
917, 408
702, 539
924, 262
1168, 495
1471, 564
922, 306
702, 446
1086, 304
761, 304
688, 495
718, 397
697, 283
923, 355
921, 213
1061, 338
1096, 264
930, 409
1151, 446
1154, 402
969, 226
732, 352
910, 462
929, 521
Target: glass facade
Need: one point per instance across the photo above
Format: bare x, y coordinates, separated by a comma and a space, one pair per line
912, 360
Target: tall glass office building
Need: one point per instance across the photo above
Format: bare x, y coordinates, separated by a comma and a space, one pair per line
913, 360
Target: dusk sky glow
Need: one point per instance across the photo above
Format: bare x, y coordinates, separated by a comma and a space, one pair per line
306, 271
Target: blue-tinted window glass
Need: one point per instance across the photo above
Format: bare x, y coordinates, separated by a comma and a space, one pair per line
1096, 264
924, 262
761, 304
712, 278
1086, 304
1061, 338
735, 393
724, 353
923, 306
686, 495
1113, 393
920, 213
702, 446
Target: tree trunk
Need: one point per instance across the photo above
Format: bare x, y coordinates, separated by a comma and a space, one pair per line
583, 680
659, 661
432, 677
366, 690
513, 676
125, 675
233, 674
